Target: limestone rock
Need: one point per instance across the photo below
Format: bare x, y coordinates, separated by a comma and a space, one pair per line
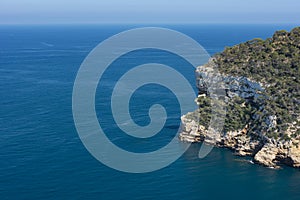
294, 155
267, 155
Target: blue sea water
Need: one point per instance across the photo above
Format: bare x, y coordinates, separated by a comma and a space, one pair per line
42, 157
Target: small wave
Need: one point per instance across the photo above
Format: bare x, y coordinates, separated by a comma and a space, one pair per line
173, 126
47, 44
51, 82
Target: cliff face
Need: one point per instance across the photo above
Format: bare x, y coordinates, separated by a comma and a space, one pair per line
260, 80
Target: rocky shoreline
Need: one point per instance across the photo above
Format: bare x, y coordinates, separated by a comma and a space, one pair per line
265, 150
248, 100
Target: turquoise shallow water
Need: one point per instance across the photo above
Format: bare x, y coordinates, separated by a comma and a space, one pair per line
40, 151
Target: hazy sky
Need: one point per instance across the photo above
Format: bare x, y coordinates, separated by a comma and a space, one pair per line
153, 11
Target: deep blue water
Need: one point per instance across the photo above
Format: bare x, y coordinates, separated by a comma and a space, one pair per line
41, 155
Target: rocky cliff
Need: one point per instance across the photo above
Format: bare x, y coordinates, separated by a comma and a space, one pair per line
261, 94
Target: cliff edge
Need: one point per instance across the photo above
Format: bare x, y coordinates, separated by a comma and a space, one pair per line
262, 97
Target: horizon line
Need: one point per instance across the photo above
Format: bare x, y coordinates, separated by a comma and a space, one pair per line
155, 23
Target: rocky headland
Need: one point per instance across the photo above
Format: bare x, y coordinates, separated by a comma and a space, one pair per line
261, 90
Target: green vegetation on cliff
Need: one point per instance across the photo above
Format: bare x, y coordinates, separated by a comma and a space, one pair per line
275, 63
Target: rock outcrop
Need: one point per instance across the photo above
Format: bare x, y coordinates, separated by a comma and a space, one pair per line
269, 153
265, 150
258, 83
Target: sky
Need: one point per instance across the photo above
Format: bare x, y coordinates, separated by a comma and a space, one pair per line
149, 11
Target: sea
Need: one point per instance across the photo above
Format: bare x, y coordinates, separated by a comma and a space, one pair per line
42, 155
